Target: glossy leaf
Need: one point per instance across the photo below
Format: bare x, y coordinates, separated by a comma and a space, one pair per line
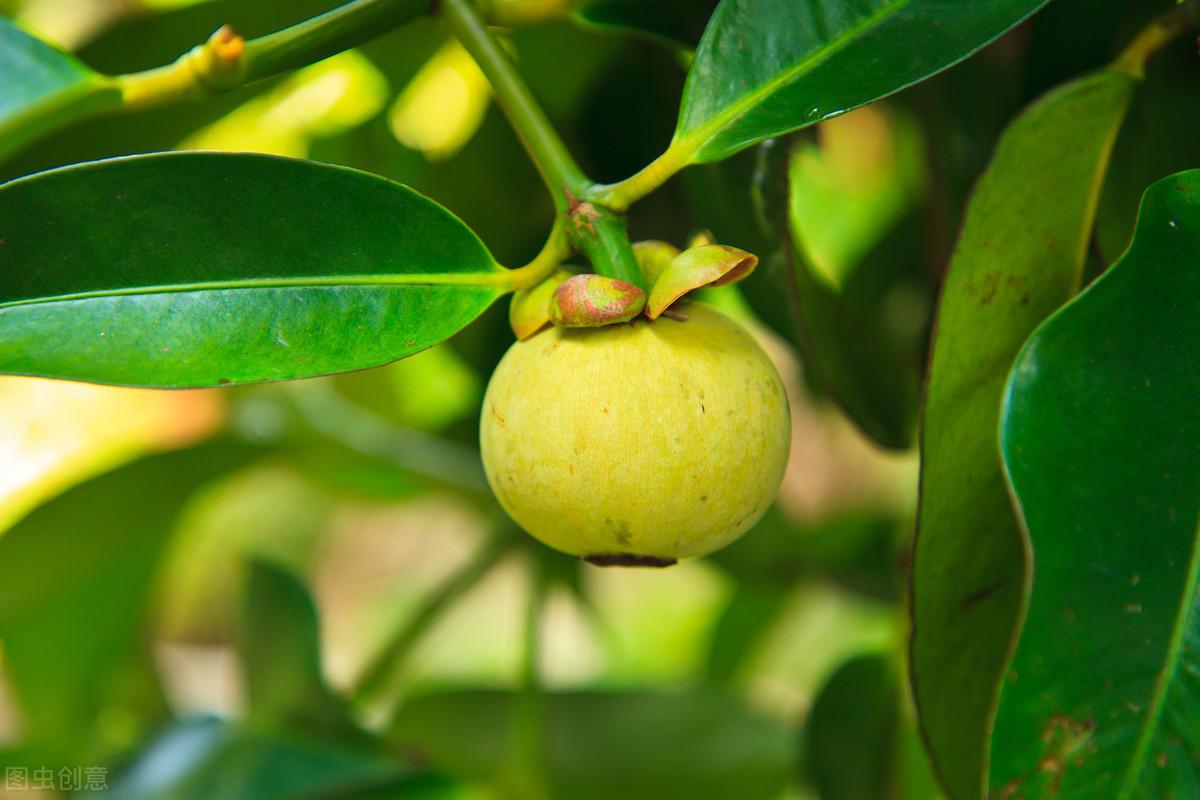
281, 655
1102, 445
859, 740
205, 269
766, 67
1020, 256
42, 87
76, 576
204, 758
602, 745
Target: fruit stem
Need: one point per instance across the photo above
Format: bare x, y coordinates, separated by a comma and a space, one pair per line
599, 233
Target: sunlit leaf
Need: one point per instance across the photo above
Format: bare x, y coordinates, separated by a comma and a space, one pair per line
1101, 442
1019, 257
766, 67
326, 99
442, 107
852, 186
53, 433
203, 269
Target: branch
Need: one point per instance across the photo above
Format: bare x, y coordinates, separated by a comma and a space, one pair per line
226, 61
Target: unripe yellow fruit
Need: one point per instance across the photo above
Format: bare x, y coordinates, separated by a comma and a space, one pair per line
637, 443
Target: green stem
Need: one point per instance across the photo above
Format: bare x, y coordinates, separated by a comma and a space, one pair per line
332, 32
620, 196
529, 733
375, 679
226, 61
1152, 39
554, 252
600, 234
549, 154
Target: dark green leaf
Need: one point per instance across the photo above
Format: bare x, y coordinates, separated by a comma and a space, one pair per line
859, 742
281, 655
743, 623
1101, 441
602, 745
43, 87
1019, 257
205, 269
203, 759
766, 67
76, 576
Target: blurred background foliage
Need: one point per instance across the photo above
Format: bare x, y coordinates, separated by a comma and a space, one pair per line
306, 591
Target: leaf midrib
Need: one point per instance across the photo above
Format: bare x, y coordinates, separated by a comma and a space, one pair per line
499, 280
1166, 677
693, 141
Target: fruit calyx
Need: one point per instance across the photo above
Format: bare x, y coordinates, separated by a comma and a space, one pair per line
628, 560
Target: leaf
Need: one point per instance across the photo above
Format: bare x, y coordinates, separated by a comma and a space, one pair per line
742, 625
281, 656
43, 87
631, 745
205, 269
204, 758
766, 67
76, 576
859, 742
1020, 256
1101, 442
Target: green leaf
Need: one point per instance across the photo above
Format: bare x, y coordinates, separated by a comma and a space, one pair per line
742, 625
42, 88
766, 67
859, 742
1102, 445
1019, 257
206, 269
76, 576
201, 759
631, 745
281, 656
